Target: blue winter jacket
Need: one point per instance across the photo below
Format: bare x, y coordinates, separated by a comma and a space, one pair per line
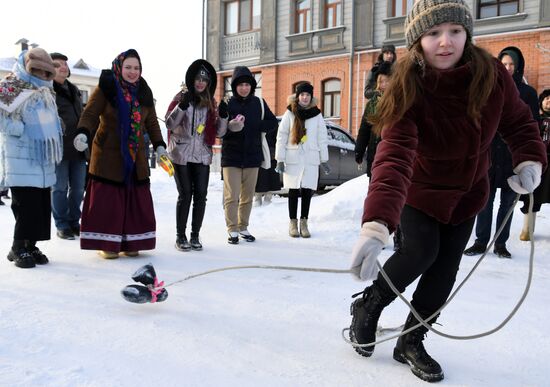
31, 142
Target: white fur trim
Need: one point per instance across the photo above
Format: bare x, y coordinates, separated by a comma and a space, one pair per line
375, 230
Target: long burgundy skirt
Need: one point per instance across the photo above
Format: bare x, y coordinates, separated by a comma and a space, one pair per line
117, 218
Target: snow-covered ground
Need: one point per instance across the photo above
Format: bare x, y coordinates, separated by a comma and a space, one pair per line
65, 324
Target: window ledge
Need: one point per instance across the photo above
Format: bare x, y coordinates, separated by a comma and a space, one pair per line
500, 19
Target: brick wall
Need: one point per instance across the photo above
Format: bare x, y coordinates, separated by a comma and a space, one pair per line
278, 80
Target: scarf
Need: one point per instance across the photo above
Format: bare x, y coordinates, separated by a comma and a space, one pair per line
129, 116
29, 97
298, 130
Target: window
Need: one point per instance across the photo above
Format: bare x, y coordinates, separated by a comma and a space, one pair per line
400, 7
228, 92
242, 15
303, 16
333, 13
331, 98
492, 8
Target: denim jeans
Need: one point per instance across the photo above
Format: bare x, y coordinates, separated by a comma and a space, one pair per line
485, 217
67, 193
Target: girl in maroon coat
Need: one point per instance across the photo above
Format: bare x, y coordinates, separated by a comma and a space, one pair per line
445, 103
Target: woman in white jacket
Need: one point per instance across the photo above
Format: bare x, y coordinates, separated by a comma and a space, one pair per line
301, 147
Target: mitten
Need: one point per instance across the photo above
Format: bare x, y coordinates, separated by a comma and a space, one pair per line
185, 100
223, 110
325, 167
372, 238
527, 177
80, 142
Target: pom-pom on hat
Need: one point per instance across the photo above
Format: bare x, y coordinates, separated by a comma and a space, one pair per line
304, 87
38, 59
426, 14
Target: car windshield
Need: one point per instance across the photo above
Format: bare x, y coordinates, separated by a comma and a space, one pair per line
340, 139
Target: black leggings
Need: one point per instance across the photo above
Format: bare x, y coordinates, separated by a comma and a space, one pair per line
293, 195
32, 210
192, 183
432, 250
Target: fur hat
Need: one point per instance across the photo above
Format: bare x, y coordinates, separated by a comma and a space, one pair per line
304, 87
426, 14
38, 59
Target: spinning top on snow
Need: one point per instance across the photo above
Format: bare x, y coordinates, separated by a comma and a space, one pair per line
153, 291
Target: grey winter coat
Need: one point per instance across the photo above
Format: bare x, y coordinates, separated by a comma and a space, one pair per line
186, 145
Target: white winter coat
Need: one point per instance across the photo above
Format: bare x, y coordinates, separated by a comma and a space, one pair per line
302, 160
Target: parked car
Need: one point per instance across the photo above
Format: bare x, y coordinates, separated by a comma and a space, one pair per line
341, 157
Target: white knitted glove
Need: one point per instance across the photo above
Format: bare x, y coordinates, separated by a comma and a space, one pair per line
527, 177
372, 238
161, 152
80, 142
236, 124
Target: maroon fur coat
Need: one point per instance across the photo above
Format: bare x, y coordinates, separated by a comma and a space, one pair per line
436, 158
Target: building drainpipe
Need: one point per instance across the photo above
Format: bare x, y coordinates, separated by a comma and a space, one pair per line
352, 53
203, 32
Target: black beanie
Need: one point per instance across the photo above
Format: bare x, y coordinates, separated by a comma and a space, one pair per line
304, 87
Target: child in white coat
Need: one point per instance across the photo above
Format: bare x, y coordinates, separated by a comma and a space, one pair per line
301, 147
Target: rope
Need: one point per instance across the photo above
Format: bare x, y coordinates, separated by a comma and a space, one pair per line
423, 322
292, 268
394, 289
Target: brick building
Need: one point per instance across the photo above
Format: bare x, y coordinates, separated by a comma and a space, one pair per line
334, 43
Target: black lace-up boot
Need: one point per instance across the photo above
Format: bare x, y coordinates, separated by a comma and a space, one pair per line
410, 350
366, 312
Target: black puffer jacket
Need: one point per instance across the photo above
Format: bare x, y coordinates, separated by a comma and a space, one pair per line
244, 149
501, 159
69, 107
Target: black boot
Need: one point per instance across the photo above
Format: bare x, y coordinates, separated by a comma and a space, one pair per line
20, 256
366, 312
39, 257
195, 242
182, 244
410, 350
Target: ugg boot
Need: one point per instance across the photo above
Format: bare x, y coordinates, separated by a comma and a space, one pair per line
293, 228
365, 313
410, 350
524, 235
304, 232
257, 199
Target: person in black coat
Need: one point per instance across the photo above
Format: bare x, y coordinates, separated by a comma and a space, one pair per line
68, 191
501, 166
269, 180
542, 193
388, 55
242, 155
